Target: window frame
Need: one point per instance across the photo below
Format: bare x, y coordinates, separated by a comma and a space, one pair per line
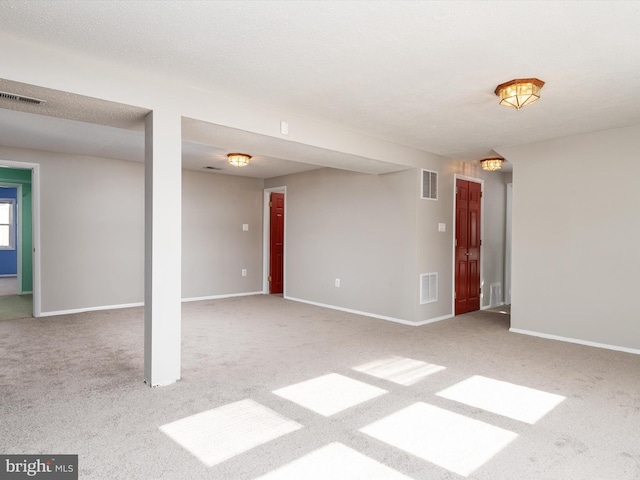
12, 223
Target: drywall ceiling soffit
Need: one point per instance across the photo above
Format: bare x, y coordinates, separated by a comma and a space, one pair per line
420, 74
199, 157
54, 134
70, 106
73, 137
228, 139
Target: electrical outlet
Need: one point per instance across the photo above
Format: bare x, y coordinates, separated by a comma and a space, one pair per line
244, 272
337, 282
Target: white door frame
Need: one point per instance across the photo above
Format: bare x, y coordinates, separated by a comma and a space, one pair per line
453, 242
266, 240
35, 228
507, 247
18, 221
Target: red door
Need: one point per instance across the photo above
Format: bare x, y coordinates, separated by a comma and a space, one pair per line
276, 256
468, 198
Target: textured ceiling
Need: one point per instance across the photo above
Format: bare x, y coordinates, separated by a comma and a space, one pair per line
418, 73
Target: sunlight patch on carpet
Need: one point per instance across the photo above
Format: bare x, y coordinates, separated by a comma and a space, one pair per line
334, 461
329, 394
403, 371
219, 434
449, 440
514, 401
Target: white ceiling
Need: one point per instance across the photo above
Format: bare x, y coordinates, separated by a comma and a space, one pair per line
418, 73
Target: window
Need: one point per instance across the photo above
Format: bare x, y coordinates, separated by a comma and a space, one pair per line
7, 224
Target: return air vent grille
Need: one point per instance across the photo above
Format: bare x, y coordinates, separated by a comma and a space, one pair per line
428, 288
20, 98
429, 185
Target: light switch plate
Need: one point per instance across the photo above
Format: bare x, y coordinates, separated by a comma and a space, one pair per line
442, 227
245, 227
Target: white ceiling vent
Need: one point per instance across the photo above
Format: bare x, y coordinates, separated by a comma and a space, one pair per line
428, 288
429, 185
20, 98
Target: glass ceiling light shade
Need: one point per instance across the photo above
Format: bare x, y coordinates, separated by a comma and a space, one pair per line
491, 164
519, 93
239, 159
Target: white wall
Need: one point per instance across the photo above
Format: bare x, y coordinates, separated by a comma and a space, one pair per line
493, 237
356, 227
575, 232
92, 231
378, 236
434, 248
215, 249
371, 231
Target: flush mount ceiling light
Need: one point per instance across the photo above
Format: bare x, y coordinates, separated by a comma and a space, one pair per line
238, 159
519, 93
492, 164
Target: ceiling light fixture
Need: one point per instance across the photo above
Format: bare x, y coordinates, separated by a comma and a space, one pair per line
519, 93
239, 159
492, 164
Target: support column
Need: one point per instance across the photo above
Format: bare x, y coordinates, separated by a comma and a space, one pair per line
163, 232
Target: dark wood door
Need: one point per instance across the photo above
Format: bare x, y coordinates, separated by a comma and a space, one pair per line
276, 255
467, 257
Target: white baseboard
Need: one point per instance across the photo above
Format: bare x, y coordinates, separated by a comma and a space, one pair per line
216, 297
91, 309
7, 275
373, 315
576, 340
139, 304
487, 307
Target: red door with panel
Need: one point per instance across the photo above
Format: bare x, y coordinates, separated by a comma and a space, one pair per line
276, 255
468, 243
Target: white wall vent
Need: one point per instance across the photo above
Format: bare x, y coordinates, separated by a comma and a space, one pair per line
495, 294
428, 288
429, 185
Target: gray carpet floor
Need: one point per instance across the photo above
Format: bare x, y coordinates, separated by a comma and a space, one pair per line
13, 307
274, 389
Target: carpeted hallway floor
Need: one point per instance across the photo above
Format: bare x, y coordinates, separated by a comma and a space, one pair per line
12, 305
275, 389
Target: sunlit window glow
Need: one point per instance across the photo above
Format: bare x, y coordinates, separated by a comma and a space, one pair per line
334, 461
403, 371
216, 435
329, 394
514, 401
449, 440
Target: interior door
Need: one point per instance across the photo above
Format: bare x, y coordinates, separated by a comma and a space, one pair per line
468, 243
276, 249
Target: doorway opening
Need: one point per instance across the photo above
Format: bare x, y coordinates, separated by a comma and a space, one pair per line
274, 241
19, 240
